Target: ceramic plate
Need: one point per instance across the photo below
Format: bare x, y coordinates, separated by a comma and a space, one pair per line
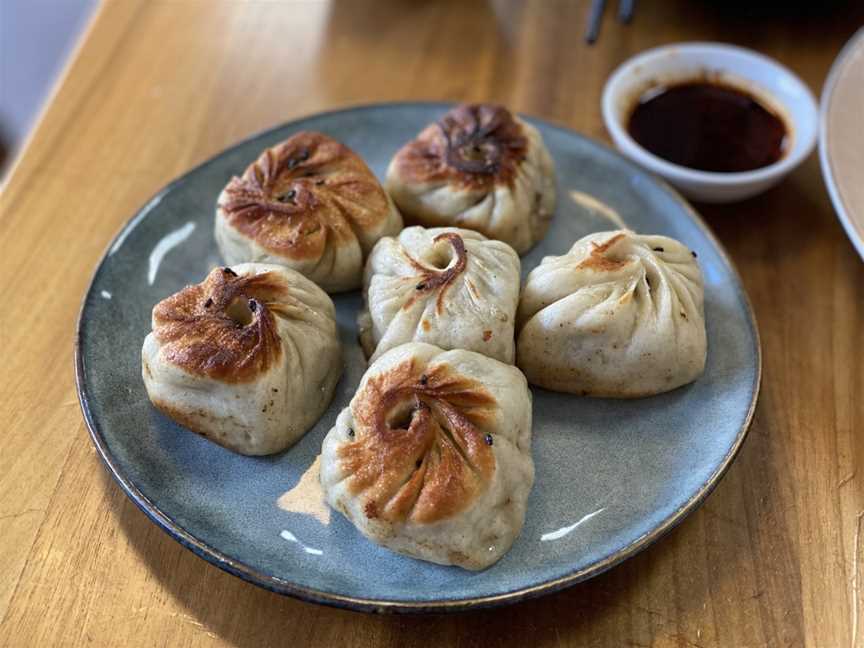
612, 476
841, 141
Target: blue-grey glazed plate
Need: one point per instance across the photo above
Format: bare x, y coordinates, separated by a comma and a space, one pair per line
612, 475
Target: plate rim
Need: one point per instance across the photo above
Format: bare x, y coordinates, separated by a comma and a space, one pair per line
852, 233
312, 595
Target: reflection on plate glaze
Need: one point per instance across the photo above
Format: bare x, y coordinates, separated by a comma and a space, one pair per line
164, 246
105, 294
602, 209
134, 223
563, 531
307, 497
290, 537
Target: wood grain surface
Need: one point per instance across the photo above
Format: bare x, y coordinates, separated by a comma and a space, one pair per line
772, 558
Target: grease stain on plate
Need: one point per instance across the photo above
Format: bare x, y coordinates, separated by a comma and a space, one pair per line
307, 497
591, 203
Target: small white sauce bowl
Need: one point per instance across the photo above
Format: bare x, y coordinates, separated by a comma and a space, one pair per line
771, 83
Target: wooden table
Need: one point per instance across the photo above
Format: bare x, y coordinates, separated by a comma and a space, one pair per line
772, 558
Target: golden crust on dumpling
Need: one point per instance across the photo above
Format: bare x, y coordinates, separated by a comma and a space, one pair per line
432, 458
479, 167
248, 358
222, 328
418, 452
473, 145
304, 194
434, 280
600, 256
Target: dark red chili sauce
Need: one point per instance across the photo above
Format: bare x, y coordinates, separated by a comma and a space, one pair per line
708, 126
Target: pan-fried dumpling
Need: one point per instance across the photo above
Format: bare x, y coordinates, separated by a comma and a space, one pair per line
446, 286
309, 203
248, 358
432, 458
481, 168
620, 315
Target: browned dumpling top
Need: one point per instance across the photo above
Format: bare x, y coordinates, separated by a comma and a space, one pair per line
426, 424
479, 167
476, 146
223, 327
309, 203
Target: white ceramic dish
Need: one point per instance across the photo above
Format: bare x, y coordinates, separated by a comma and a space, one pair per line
770, 82
841, 138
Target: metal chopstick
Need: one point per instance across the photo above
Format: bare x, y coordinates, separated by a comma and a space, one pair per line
594, 18
625, 10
